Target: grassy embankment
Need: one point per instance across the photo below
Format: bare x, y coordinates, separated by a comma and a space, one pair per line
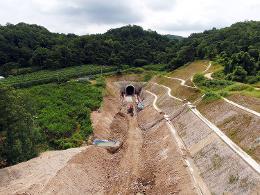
219, 86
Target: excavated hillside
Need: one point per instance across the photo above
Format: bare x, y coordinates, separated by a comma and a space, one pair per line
178, 144
148, 162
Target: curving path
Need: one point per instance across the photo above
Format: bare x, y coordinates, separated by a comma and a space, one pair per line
208, 75
208, 67
169, 91
214, 128
182, 82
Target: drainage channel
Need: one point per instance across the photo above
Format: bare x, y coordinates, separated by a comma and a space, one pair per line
198, 182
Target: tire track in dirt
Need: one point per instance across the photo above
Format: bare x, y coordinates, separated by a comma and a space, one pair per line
129, 166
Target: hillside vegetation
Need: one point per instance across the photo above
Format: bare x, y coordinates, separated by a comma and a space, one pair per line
45, 111
51, 116
23, 46
236, 47
58, 76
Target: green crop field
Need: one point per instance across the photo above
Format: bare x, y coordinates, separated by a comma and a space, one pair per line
61, 112
49, 76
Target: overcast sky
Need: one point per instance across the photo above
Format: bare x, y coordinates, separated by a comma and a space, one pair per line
179, 17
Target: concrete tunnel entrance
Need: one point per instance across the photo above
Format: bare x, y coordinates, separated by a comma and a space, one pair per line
130, 90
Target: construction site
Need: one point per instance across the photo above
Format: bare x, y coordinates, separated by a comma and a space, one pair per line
155, 137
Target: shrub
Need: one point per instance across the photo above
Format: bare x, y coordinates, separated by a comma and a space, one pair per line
101, 82
239, 74
239, 87
211, 96
56, 76
219, 75
223, 93
199, 79
156, 67
17, 130
140, 62
252, 79
215, 84
148, 77
135, 70
233, 179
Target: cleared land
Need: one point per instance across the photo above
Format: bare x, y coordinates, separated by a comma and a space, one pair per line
150, 160
187, 71
140, 166
217, 163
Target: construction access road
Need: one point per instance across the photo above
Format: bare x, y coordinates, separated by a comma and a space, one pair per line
149, 161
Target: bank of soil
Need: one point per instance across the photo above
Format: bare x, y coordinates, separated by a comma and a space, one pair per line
148, 161
242, 127
187, 71
221, 168
182, 92
246, 101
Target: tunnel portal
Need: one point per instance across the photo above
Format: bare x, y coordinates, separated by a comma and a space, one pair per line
130, 90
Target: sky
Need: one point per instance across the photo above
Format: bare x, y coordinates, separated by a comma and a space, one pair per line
178, 17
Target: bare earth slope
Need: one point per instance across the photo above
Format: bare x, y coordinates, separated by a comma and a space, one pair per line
148, 161
221, 167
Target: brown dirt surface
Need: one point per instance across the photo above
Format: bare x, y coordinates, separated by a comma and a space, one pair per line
222, 169
246, 101
178, 90
241, 126
187, 71
163, 167
32, 176
148, 161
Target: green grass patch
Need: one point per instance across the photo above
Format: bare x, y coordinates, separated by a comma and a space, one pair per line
156, 67
216, 161
224, 87
211, 96
233, 179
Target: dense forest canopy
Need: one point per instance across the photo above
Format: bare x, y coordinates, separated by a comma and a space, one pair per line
237, 47
24, 45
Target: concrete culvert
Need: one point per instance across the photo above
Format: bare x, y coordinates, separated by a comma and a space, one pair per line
130, 90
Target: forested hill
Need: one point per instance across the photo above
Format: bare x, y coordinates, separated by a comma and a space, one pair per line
237, 47
24, 45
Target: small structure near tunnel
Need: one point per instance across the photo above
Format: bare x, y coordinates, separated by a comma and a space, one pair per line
131, 96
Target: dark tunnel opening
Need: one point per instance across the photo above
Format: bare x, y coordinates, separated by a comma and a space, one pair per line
130, 90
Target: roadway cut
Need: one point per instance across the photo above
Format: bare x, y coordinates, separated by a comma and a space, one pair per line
210, 149
149, 161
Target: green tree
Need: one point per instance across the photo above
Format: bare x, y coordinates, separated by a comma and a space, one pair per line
41, 57
239, 74
16, 128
